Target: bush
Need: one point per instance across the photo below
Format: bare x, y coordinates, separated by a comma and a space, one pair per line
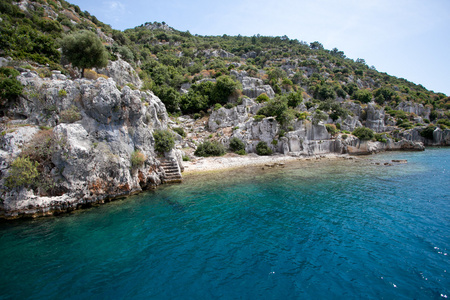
262, 98
363, 133
70, 115
258, 118
180, 131
344, 136
380, 137
241, 152
331, 128
428, 132
23, 172
224, 88
365, 96
137, 159
263, 149
186, 158
236, 144
208, 148
164, 141
62, 93
10, 87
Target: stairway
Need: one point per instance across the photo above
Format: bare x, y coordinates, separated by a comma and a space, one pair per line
171, 170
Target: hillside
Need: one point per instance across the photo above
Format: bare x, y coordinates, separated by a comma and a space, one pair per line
164, 96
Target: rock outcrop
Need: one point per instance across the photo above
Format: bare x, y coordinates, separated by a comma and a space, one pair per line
98, 128
415, 108
252, 87
122, 73
440, 137
375, 118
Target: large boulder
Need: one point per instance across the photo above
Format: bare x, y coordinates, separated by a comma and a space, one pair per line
122, 73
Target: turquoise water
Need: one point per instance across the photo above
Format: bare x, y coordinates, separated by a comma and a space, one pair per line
313, 230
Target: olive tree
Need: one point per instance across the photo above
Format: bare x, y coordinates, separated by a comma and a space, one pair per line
84, 50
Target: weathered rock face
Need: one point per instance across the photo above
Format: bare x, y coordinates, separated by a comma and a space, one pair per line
375, 118
223, 117
218, 53
93, 160
440, 137
357, 147
350, 123
418, 109
122, 73
252, 87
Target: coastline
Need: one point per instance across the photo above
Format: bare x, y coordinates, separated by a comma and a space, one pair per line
234, 161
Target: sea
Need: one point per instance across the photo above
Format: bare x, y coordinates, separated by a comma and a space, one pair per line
365, 228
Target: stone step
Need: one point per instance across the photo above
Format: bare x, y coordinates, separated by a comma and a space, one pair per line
171, 171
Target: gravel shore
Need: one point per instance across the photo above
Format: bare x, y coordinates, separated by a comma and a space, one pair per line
232, 161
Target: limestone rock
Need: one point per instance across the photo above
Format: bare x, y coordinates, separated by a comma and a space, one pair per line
252, 87
375, 118
122, 73
416, 108
93, 160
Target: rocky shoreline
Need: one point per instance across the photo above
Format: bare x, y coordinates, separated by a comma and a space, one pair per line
85, 133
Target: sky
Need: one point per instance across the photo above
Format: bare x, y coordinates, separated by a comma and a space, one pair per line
405, 38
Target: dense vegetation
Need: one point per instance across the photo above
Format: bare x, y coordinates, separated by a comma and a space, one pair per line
193, 74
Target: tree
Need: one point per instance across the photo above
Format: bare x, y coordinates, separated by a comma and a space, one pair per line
224, 88
316, 46
84, 50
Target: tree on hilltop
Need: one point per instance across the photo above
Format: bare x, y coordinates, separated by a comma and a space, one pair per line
84, 50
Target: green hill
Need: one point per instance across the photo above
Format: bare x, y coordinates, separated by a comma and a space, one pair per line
178, 66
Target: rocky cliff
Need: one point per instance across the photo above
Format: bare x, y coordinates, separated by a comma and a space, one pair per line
88, 132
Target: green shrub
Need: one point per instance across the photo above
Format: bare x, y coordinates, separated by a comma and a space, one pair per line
164, 141
10, 87
262, 98
186, 158
331, 128
62, 93
217, 106
241, 152
236, 144
263, 149
70, 115
137, 159
363, 133
319, 116
365, 96
344, 136
180, 131
22, 173
258, 118
428, 132
445, 122
208, 148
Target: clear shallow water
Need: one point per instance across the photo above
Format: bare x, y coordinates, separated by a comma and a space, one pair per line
337, 230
